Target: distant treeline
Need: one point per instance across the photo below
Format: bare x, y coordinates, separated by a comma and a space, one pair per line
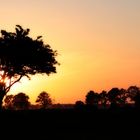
21, 101
113, 98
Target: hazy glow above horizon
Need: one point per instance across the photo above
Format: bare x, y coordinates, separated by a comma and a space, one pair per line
98, 42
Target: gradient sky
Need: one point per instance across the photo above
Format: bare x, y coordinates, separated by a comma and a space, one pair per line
98, 42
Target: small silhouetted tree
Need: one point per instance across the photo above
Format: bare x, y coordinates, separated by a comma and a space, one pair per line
21, 101
133, 92
103, 98
79, 104
92, 98
8, 101
23, 56
44, 100
117, 97
113, 96
122, 97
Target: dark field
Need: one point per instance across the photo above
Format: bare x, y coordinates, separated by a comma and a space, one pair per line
70, 124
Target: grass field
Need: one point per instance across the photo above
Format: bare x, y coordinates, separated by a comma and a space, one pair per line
70, 124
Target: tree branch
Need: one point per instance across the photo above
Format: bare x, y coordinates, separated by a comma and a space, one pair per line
8, 88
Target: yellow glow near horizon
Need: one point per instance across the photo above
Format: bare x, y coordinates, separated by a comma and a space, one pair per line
98, 42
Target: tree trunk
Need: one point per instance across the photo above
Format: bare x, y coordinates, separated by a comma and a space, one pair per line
2, 94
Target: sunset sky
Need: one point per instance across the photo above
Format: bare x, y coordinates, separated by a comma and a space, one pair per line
98, 42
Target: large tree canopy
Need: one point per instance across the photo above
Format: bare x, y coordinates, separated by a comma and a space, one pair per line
21, 55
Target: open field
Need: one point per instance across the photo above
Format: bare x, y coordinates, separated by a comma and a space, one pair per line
70, 124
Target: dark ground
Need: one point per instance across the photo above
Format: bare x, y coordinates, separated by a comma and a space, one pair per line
70, 124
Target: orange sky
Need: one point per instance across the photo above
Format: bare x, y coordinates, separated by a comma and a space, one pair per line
98, 42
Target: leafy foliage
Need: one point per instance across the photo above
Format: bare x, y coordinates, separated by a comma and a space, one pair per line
92, 98
115, 97
44, 99
8, 102
21, 101
20, 55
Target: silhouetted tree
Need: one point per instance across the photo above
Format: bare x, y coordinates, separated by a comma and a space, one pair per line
44, 100
122, 97
133, 92
92, 98
103, 98
113, 96
22, 56
79, 104
21, 101
8, 101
